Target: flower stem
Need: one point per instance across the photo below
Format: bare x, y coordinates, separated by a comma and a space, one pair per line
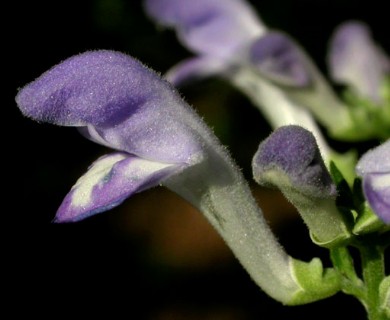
373, 273
366, 290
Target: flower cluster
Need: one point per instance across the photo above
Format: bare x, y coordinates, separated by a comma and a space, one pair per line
158, 139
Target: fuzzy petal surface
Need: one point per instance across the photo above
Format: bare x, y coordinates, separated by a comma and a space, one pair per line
291, 153
118, 102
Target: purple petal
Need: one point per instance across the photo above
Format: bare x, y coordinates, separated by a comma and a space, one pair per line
292, 152
374, 168
121, 103
376, 160
211, 27
376, 188
194, 69
108, 182
277, 57
356, 60
95, 88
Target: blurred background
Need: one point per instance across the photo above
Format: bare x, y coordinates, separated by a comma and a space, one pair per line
155, 256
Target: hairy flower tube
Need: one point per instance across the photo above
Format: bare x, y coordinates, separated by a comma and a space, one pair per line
267, 66
374, 168
289, 159
116, 101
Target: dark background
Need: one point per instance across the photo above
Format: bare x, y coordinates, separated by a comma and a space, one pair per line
154, 257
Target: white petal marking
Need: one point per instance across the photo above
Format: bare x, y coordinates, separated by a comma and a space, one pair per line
84, 186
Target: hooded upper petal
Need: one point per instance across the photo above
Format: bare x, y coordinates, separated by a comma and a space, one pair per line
374, 168
289, 159
357, 61
278, 58
117, 102
291, 153
108, 182
211, 27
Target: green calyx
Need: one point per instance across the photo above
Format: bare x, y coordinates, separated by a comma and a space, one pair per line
316, 282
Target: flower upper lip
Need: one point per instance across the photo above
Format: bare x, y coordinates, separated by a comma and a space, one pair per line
121, 104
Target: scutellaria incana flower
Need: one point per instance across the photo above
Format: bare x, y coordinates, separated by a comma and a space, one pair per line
116, 101
216, 30
119, 103
290, 160
374, 168
355, 60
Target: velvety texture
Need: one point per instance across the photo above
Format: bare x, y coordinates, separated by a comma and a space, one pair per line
291, 152
116, 101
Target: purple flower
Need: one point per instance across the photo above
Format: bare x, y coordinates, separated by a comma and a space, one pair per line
357, 61
289, 159
219, 31
209, 27
374, 168
116, 101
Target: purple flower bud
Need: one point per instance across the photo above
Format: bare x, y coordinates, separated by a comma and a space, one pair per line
117, 102
289, 159
374, 168
357, 61
291, 152
277, 57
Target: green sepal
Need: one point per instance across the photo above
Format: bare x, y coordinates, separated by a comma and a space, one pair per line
345, 163
345, 200
368, 222
316, 282
341, 239
351, 203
